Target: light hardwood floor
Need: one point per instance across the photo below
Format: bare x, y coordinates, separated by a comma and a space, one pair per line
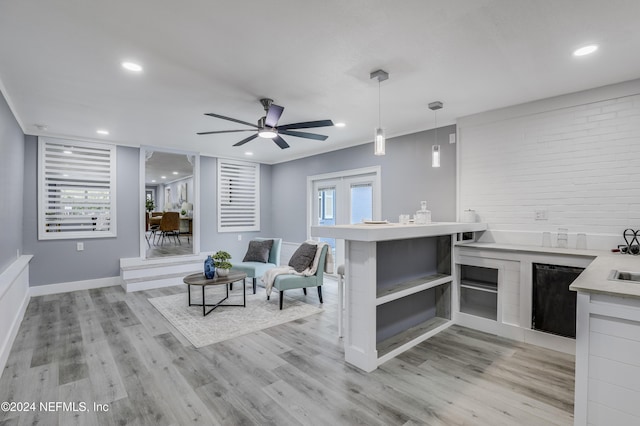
169, 247
114, 348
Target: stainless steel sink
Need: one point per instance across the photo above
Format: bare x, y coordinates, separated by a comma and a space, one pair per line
616, 275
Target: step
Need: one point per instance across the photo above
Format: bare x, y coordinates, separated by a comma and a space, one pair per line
144, 274
158, 281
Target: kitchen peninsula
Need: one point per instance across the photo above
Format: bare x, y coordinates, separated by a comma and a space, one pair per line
399, 285
608, 341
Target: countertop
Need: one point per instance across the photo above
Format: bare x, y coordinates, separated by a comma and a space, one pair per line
534, 249
594, 279
393, 231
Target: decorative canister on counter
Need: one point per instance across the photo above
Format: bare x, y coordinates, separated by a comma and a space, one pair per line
469, 216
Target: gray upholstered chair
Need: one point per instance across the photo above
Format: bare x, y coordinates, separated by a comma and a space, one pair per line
289, 282
255, 270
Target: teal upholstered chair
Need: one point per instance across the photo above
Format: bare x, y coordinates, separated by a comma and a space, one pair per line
255, 270
289, 282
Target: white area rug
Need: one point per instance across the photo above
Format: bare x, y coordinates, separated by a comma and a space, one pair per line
228, 322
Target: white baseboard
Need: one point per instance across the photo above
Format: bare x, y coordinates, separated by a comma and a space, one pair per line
14, 298
519, 334
43, 290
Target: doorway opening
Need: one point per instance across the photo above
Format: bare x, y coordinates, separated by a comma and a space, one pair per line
169, 216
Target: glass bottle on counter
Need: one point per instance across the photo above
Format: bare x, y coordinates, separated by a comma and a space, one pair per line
423, 216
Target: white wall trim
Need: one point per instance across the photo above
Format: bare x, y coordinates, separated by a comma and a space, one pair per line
43, 290
14, 298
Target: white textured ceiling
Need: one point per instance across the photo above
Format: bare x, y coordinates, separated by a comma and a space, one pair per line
170, 165
60, 64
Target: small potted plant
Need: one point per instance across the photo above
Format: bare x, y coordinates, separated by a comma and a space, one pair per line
221, 261
149, 205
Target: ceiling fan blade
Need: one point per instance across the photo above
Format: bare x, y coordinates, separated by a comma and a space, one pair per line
210, 114
280, 142
273, 115
306, 125
225, 131
303, 135
245, 140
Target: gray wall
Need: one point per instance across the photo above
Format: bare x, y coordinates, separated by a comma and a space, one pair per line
212, 241
57, 261
407, 178
11, 179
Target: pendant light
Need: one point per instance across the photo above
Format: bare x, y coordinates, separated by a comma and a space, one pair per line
435, 149
379, 138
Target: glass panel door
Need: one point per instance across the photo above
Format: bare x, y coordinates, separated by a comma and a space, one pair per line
361, 202
325, 208
342, 199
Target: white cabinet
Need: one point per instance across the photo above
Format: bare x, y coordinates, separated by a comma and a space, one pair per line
607, 360
489, 293
511, 290
479, 291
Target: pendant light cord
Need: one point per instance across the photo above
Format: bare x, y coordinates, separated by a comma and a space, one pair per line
379, 106
435, 122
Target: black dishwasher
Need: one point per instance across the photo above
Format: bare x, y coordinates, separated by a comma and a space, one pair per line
554, 305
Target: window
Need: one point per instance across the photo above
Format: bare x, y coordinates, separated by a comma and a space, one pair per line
238, 196
76, 189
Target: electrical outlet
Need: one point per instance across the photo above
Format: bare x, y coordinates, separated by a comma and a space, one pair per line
541, 215
239, 237
452, 138
79, 246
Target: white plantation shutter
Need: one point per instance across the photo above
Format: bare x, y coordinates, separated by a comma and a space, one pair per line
238, 196
76, 189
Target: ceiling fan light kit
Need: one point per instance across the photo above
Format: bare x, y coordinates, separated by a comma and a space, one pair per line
379, 137
268, 128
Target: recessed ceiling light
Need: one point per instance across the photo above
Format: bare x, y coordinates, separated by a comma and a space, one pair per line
340, 124
175, 173
102, 132
248, 153
132, 66
163, 177
153, 180
66, 151
585, 50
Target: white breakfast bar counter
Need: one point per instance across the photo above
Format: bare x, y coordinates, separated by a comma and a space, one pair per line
399, 285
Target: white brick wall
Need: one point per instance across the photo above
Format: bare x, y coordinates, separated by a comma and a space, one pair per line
580, 162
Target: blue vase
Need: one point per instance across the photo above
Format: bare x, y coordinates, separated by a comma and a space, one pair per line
209, 268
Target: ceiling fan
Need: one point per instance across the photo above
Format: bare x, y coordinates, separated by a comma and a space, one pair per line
268, 126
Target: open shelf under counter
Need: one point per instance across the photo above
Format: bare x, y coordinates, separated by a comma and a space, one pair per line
407, 288
482, 311
489, 287
399, 288
399, 343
